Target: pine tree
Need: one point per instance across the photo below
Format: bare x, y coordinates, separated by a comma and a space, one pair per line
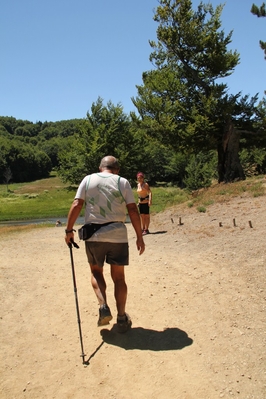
182, 101
260, 12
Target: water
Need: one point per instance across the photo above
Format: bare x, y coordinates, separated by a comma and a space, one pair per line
63, 221
79, 221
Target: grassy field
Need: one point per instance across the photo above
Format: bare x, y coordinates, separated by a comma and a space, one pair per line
50, 198
35, 200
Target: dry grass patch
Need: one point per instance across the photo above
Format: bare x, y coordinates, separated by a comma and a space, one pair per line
5, 230
224, 192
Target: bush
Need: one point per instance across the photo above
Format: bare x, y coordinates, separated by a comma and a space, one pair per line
199, 171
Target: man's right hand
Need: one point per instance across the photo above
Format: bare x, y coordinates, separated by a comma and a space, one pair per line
69, 238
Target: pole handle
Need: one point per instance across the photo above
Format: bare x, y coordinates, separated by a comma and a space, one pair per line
73, 242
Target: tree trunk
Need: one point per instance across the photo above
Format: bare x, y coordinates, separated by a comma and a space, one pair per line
229, 167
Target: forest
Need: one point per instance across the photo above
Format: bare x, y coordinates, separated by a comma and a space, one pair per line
187, 130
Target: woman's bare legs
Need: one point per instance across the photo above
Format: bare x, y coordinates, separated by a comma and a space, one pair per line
142, 218
146, 222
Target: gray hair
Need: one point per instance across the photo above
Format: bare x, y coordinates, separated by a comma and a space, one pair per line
109, 162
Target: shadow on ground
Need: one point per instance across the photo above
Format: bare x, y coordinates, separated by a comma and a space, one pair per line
145, 339
156, 232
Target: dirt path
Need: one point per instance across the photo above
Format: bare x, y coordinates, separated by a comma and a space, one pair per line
196, 298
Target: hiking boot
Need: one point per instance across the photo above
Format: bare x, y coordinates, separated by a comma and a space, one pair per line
124, 323
104, 315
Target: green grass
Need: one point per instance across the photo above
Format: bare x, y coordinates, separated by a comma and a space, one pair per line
201, 208
164, 197
35, 200
50, 198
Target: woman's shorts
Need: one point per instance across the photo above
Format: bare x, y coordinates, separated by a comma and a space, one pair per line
144, 208
109, 252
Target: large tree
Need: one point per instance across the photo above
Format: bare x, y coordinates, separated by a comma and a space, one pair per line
183, 101
106, 131
26, 163
260, 12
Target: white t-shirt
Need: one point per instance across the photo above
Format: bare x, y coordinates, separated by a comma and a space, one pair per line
106, 196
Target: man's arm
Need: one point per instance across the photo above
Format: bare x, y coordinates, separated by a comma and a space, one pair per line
73, 214
135, 220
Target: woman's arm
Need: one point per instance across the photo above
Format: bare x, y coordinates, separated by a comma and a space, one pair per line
150, 194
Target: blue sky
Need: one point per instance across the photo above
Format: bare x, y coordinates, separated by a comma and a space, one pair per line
58, 57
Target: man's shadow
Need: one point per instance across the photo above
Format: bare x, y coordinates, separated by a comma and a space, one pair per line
145, 339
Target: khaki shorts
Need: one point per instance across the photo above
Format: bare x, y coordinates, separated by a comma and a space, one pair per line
109, 252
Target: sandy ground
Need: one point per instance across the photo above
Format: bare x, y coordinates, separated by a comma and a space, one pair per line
196, 298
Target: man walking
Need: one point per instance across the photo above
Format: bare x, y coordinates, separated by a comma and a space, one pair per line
107, 197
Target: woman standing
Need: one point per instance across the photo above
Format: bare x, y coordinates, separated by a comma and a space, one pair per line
144, 202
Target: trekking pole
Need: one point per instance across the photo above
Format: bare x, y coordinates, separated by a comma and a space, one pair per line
76, 297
